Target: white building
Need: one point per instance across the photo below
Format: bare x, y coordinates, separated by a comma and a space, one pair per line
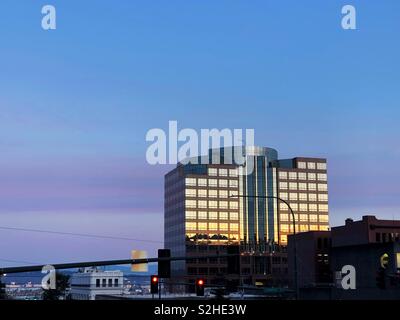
89, 282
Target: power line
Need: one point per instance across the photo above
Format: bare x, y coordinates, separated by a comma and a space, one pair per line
79, 234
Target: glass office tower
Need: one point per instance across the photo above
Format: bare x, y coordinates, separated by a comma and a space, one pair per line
223, 199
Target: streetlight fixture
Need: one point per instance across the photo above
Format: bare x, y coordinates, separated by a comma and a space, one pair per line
294, 231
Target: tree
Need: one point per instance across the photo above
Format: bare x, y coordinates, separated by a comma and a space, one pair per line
3, 295
62, 283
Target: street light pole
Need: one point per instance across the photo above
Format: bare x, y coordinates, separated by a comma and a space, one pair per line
294, 232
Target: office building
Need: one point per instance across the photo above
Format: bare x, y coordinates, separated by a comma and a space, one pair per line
212, 204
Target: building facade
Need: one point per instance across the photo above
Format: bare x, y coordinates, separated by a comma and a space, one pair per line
90, 282
214, 202
361, 244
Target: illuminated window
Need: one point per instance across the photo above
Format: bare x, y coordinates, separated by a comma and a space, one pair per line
223, 183
202, 182
190, 215
293, 175
223, 215
191, 225
283, 238
323, 207
213, 215
202, 193
234, 227
233, 172
304, 217
233, 205
312, 176
233, 183
324, 228
190, 192
312, 197
314, 227
283, 206
223, 193
284, 228
323, 218
312, 187
212, 172
312, 207
303, 228
301, 165
284, 217
293, 196
302, 186
213, 204
302, 176
223, 226
294, 206
283, 185
313, 218
283, 195
234, 216
322, 177
202, 204
323, 197
190, 181
202, 226
213, 226
321, 166
282, 175
213, 193
303, 196
202, 215
322, 187
213, 182
223, 204
223, 172
303, 207
190, 203
311, 165
293, 186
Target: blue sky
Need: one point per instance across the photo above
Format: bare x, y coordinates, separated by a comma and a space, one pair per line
76, 103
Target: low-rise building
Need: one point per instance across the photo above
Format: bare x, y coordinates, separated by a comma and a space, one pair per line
89, 282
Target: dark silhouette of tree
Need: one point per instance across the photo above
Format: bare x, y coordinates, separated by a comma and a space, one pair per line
62, 283
3, 294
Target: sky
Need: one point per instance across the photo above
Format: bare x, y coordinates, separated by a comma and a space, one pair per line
76, 104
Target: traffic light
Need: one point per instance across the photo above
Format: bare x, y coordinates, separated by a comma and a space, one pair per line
164, 266
153, 284
233, 259
200, 287
380, 278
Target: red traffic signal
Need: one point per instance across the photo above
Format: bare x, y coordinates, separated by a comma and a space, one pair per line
200, 287
153, 284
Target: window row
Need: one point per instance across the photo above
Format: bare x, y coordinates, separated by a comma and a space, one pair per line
304, 196
204, 193
284, 237
212, 226
303, 186
212, 204
305, 218
204, 215
106, 282
311, 165
292, 175
222, 172
304, 207
203, 182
